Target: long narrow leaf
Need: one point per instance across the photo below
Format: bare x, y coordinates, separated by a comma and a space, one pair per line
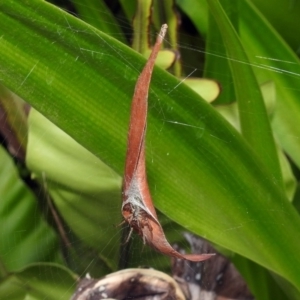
255, 125
96, 13
24, 235
201, 172
274, 60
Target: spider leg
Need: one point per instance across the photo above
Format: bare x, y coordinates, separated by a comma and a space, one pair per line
129, 236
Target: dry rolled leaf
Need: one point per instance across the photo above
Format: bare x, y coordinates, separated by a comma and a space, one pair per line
137, 207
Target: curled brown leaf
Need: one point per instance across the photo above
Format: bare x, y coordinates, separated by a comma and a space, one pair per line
137, 207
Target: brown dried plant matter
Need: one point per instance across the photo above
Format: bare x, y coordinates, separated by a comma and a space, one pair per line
137, 208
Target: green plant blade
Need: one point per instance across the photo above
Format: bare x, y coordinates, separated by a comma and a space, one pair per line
201, 172
53, 282
230, 113
96, 13
214, 61
255, 124
259, 280
86, 192
283, 15
24, 235
284, 71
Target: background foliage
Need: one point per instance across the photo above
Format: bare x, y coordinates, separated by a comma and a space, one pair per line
227, 171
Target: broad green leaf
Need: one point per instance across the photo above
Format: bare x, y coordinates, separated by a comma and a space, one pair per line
291, 291
284, 16
201, 172
86, 192
10, 288
40, 282
24, 235
228, 110
215, 60
259, 280
255, 126
230, 113
88, 196
96, 13
274, 60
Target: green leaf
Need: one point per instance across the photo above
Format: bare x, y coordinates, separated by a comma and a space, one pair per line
86, 192
40, 282
215, 60
254, 121
283, 15
24, 235
201, 172
96, 13
230, 113
259, 280
274, 60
